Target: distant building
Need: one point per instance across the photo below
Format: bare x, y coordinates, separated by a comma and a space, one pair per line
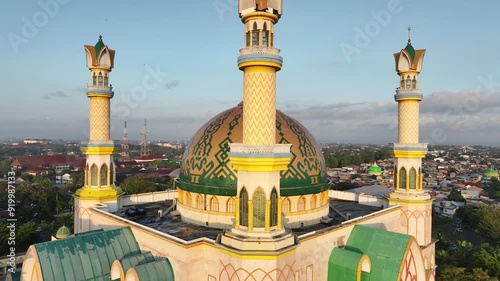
43, 164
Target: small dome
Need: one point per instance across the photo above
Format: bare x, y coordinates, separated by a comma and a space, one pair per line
63, 232
490, 173
374, 170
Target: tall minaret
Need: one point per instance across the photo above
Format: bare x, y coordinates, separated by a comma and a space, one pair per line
259, 160
100, 171
416, 204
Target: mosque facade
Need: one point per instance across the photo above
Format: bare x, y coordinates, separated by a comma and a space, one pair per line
252, 200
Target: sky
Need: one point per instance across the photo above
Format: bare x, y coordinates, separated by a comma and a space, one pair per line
338, 77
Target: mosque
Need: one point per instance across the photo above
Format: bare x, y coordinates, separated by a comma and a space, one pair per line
252, 200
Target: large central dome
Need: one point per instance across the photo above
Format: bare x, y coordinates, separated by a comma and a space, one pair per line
206, 167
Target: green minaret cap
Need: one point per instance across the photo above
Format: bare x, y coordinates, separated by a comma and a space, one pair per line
98, 46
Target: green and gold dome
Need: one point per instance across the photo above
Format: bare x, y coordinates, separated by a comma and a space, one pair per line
63, 232
206, 167
490, 173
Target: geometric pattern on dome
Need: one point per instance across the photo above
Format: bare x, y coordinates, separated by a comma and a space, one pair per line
206, 167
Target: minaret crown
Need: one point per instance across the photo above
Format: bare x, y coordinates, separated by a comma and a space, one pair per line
100, 56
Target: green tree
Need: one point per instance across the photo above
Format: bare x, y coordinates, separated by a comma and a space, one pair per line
4, 168
137, 184
460, 274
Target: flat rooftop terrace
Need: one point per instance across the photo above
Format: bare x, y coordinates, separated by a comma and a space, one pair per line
162, 217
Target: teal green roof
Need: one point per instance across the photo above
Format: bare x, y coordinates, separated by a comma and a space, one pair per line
85, 257
343, 264
88, 256
385, 249
156, 271
409, 48
98, 46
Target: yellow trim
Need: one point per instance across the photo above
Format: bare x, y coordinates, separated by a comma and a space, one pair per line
396, 184
93, 96
403, 202
268, 216
259, 15
260, 68
280, 215
360, 266
244, 65
250, 215
91, 194
99, 150
257, 255
260, 164
237, 212
409, 153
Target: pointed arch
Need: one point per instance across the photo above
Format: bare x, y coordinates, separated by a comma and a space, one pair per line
413, 179
324, 198
99, 79
255, 35
259, 208
180, 195
94, 79
414, 82
314, 201
104, 175
286, 206
244, 207
189, 201
265, 36
274, 207
408, 82
230, 205
199, 202
214, 204
301, 204
402, 178
93, 175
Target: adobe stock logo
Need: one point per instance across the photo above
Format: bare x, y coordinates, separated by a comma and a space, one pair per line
31, 26
363, 37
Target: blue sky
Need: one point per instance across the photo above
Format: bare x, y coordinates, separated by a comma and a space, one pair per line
338, 97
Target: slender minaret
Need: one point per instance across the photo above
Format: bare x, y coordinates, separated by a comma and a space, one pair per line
125, 148
259, 160
416, 204
99, 172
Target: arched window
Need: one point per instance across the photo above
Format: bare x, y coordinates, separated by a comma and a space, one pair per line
112, 174
402, 178
247, 39
199, 202
274, 207
286, 206
104, 175
314, 201
255, 35
93, 175
189, 202
244, 207
265, 36
259, 208
402, 82
106, 81
324, 198
214, 204
100, 79
94, 80
408, 82
413, 178
414, 82
181, 195
301, 204
230, 205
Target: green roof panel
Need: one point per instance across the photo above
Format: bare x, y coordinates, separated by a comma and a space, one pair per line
156, 271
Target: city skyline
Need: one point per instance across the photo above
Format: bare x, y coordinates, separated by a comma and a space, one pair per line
338, 77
